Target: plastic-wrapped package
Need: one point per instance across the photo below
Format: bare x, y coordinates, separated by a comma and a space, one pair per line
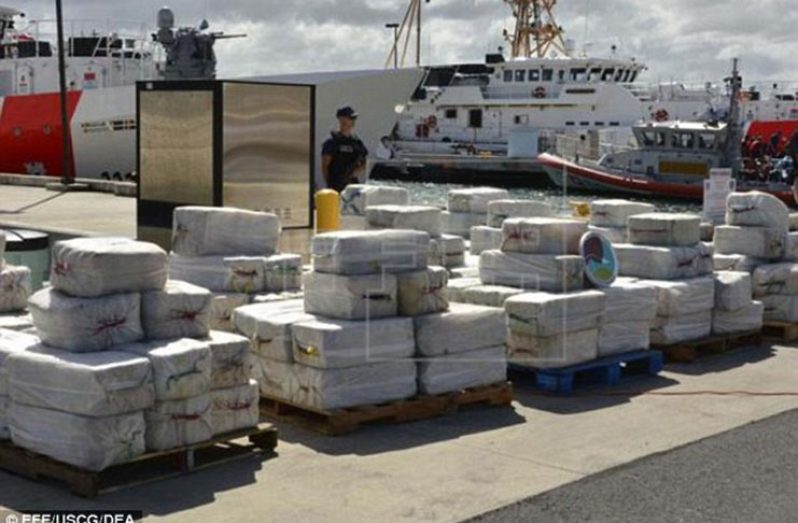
747, 319
97, 384
456, 372
374, 384
16, 321
770, 244
351, 297
485, 239
328, 344
677, 329
88, 443
461, 223
474, 200
467, 272
447, 251
239, 274
542, 314
781, 308
778, 278
274, 337
793, 220
616, 213
370, 252
543, 235
409, 217
562, 350
791, 250
275, 378
733, 290
231, 364
235, 408
86, 324
282, 272
664, 263
500, 210
456, 288
92, 267
757, 209
5, 431
618, 338
279, 297
737, 262
204, 231
253, 320
180, 368
356, 198
489, 295
665, 229
222, 309
629, 302
613, 234
423, 292
542, 272
707, 232
15, 288
463, 328
178, 423
675, 298
353, 222
12, 342
181, 310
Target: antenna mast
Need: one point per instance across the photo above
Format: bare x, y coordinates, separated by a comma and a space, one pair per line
405, 33
536, 30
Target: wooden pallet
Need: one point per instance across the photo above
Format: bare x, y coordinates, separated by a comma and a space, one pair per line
343, 421
689, 351
148, 468
787, 332
606, 372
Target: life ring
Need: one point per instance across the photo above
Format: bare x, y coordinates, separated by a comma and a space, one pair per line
432, 122
539, 92
661, 115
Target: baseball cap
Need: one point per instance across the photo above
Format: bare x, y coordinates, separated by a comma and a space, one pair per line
347, 112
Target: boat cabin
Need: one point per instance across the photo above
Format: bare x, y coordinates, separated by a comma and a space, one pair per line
681, 136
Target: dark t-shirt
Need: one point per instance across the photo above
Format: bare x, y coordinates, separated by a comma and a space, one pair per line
348, 153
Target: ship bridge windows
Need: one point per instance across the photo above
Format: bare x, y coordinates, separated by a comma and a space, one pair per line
619, 75
508, 75
520, 75
661, 139
594, 75
683, 140
647, 138
707, 141
451, 114
578, 74
626, 76
633, 77
534, 75
548, 75
608, 75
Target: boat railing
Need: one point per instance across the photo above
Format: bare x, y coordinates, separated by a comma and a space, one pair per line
586, 146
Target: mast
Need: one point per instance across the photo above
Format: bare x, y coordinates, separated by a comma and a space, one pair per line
733, 138
535, 22
405, 31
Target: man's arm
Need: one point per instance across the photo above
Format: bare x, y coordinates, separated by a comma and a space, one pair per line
326, 161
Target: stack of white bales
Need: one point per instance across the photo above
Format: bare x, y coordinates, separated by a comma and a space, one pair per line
610, 217
468, 208
488, 238
10, 342
232, 253
356, 198
665, 251
15, 283
735, 310
630, 308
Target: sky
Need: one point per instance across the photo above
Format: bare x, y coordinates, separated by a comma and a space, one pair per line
682, 40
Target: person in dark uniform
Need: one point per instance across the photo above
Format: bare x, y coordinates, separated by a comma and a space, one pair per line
343, 159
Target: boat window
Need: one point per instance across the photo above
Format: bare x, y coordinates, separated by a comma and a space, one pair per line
570, 124
647, 138
534, 75
578, 75
660, 139
548, 75
584, 124
508, 76
594, 75
451, 114
607, 76
619, 75
633, 78
615, 124
521, 119
683, 140
707, 141
626, 76
520, 75
561, 75
598, 124
475, 118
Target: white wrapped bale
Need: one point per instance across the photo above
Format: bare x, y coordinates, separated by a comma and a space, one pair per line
530, 271
374, 384
330, 344
409, 217
665, 230
757, 209
92, 267
456, 288
664, 263
542, 315
501, 210
770, 244
463, 328
677, 298
629, 302
275, 338
737, 262
370, 252
423, 292
84, 324
457, 372
353, 222
489, 295
16, 321
231, 364
276, 379
707, 232
793, 221
239, 274
780, 308
15, 288
87, 443
278, 297
613, 234
747, 319
179, 423
678, 329
12, 342
282, 272
235, 408
180, 369
474, 200
779, 278
204, 231
791, 249
733, 290
180, 310
616, 213
562, 350
447, 251
485, 239
467, 272
461, 223
543, 235
356, 198
351, 297
96, 384
223, 306
619, 338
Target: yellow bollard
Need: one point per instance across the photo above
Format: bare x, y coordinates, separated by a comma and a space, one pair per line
328, 211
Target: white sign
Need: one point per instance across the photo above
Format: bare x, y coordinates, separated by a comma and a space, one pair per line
716, 191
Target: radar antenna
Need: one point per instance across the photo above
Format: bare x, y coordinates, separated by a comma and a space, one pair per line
536, 30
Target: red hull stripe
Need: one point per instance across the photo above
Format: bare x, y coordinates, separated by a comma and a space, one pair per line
30, 133
768, 129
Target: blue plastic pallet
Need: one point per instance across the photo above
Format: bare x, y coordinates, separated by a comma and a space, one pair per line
604, 371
